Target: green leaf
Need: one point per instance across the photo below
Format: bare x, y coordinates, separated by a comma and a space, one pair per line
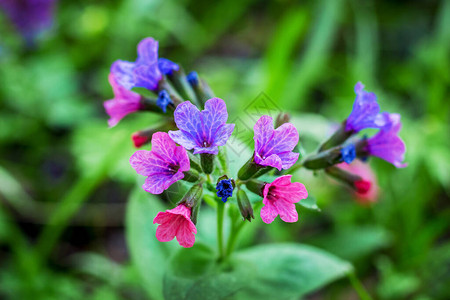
309, 203
364, 240
285, 271
148, 254
281, 271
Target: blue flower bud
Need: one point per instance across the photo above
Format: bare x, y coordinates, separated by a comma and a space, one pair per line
348, 153
224, 189
164, 100
192, 78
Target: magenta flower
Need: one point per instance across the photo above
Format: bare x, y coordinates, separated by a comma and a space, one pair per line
279, 198
163, 166
30, 17
176, 222
124, 102
365, 113
386, 144
146, 71
204, 130
273, 147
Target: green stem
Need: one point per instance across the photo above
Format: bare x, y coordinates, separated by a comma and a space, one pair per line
220, 212
358, 286
232, 239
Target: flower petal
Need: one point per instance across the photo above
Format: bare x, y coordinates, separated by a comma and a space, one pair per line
123, 73
286, 210
268, 212
263, 132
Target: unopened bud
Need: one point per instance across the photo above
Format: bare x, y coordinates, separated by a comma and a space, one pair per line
354, 181
225, 188
281, 119
245, 206
180, 82
330, 157
192, 199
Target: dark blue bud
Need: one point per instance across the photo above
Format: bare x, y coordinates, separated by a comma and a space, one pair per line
163, 100
348, 153
224, 189
192, 78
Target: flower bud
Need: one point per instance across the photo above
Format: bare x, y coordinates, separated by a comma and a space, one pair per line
201, 89
330, 157
144, 137
356, 182
225, 188
182, 85
164, 101
192, 199
281, 119
245, 206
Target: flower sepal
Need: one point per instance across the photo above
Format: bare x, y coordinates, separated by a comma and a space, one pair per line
338, 137
207, 162
192, 199
354, 181
330, 157
245, 207
256, 186
249, 169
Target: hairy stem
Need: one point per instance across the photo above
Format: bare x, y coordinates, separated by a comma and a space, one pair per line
220, 212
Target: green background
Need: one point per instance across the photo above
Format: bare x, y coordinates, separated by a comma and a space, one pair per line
65, 179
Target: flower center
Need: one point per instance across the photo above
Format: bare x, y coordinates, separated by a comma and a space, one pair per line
173, 168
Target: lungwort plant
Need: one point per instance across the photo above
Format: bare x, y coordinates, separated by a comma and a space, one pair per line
188, 165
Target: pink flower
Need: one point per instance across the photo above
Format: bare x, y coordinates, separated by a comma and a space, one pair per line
176, 222
163, 166
124, 102
367, 190
279, 198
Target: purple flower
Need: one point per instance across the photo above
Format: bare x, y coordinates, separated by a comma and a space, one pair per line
166, 66
163, 166
146, 71
204, 130
365, 113
124, 102
386, 144
273, 147
30, 17
348, 153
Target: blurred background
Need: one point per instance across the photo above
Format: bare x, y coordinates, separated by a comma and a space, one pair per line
65, 177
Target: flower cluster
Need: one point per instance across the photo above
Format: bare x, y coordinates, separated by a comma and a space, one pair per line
188, 147
344, 145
